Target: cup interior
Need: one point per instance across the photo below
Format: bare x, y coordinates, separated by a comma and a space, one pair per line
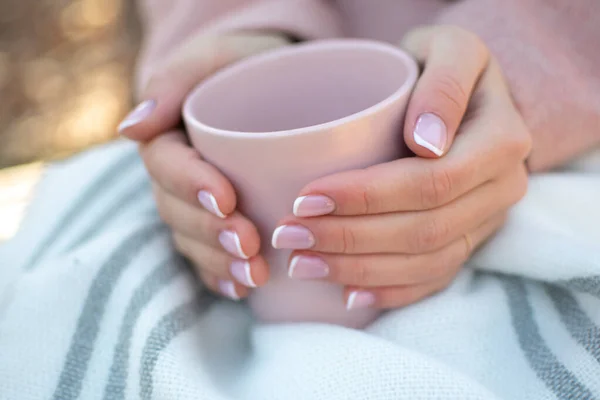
301, 86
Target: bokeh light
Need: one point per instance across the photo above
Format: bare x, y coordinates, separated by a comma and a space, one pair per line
65, 75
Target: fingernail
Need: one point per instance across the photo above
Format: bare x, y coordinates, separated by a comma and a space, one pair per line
430, 132
140, 113
209, 202
241, 272
231, 243
227, 288
360, 299
308, 267
292, 237
313, 206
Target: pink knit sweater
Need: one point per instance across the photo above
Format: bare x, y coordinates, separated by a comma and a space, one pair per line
549, 49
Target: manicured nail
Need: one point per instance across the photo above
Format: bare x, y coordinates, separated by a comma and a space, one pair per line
313, 206
227, 288
292, 237
241, 272
308, 267
360, 299
140, 113
209, 202
430, 132
231, 243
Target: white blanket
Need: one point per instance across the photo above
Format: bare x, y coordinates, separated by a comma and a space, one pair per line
94, 303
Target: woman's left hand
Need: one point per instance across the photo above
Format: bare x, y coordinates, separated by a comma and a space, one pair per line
397, 232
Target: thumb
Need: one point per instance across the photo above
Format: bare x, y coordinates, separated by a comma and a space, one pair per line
453, 59
192, 61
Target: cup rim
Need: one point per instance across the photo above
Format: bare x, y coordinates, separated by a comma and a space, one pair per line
407, 86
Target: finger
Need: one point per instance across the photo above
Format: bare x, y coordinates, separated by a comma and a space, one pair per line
373, 270
494, 131
192, 61
223, 287
489, 144
394, 296
235, 234
178, 168
250, 273
454, 60
408, 232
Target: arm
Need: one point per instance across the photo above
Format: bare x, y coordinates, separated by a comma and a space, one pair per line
168, 23
548, 50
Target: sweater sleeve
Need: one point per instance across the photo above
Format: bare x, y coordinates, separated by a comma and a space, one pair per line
168, 23
550, 53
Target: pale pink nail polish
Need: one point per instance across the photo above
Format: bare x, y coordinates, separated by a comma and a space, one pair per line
242, 273
209, 202
232, 244
308, 267
292, 237
360, 299
430, 132
140, 113
227, 288
313, 206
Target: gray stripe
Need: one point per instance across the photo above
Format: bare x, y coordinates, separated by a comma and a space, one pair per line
541, 359
590, 285
131, 196
172, 324
581, 327
159, 278
80, 205
82, 343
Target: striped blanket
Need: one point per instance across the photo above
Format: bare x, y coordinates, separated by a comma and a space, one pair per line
96, 304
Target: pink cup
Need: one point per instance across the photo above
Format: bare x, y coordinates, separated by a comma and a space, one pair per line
277, 121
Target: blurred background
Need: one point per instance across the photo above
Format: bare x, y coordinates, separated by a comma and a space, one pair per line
65, 73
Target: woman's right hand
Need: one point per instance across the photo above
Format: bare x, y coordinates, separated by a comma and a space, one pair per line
192, 196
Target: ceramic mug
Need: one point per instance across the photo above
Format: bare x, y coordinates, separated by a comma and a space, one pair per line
277, 121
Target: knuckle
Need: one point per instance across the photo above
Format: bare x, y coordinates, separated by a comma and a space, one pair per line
525, 144
431, 234
206, 279
210, 224
157, 78
519, 143
449, 93
436, 189
148, 156
360, 275
446, 282
521, 183
455, 259
368, 199
211, 257
405, 296
181, 246
188, 185
161, 207
347, 240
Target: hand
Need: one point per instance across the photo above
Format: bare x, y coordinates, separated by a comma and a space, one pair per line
193, 197
397, 232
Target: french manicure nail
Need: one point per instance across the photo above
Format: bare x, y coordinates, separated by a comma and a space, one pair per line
360, 299
430, 132
209, 202
241, 272
139, 113
308, 267
231, 243
292, 237
313, 206
227, 288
